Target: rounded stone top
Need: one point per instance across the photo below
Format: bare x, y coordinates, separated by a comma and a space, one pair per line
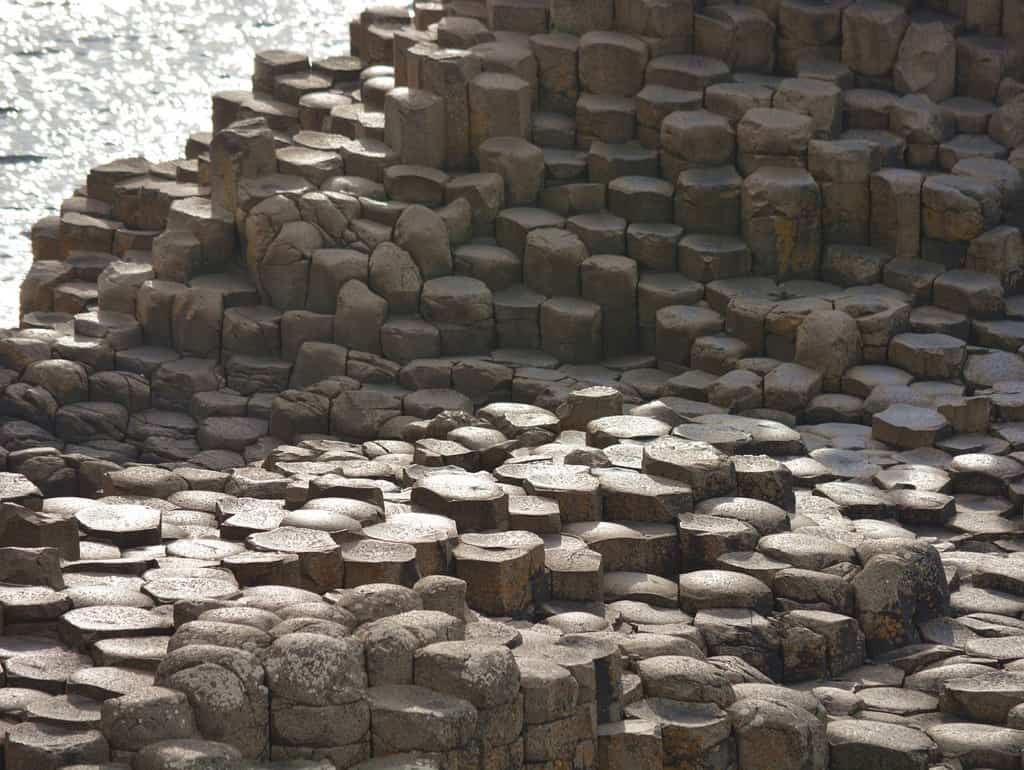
763, 516
116, 519
707, 523
509, 539
305, 156
705, 719
883, 735
714, 589
323, 520
412, 98
502, 145
363, 512
806, 551
292, 540
204, 548
687, 70
167, 590
274, 597
124, 620
456, 299
616, 428
408, 531
419, 519
378, 551
577, 623
689, 120
641, 184
911, 417
498, 81
846, 463
687, 454
514, 418
460, 486
994, 466
769, 118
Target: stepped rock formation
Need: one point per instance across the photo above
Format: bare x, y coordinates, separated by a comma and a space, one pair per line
566, 385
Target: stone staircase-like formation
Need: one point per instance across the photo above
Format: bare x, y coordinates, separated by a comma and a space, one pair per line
667, 193
543, 385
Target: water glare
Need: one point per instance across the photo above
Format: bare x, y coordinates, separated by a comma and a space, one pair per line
88, 81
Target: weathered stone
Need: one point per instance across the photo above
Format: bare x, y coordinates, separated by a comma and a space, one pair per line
781, 222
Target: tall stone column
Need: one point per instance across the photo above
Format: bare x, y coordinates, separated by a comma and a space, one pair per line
447, 72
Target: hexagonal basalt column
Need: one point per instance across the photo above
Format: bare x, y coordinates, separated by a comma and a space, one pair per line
415, 126
781, 222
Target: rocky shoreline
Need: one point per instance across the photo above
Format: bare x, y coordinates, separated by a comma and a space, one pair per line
553, 386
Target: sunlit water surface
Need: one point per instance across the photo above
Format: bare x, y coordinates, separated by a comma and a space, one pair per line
84, 82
